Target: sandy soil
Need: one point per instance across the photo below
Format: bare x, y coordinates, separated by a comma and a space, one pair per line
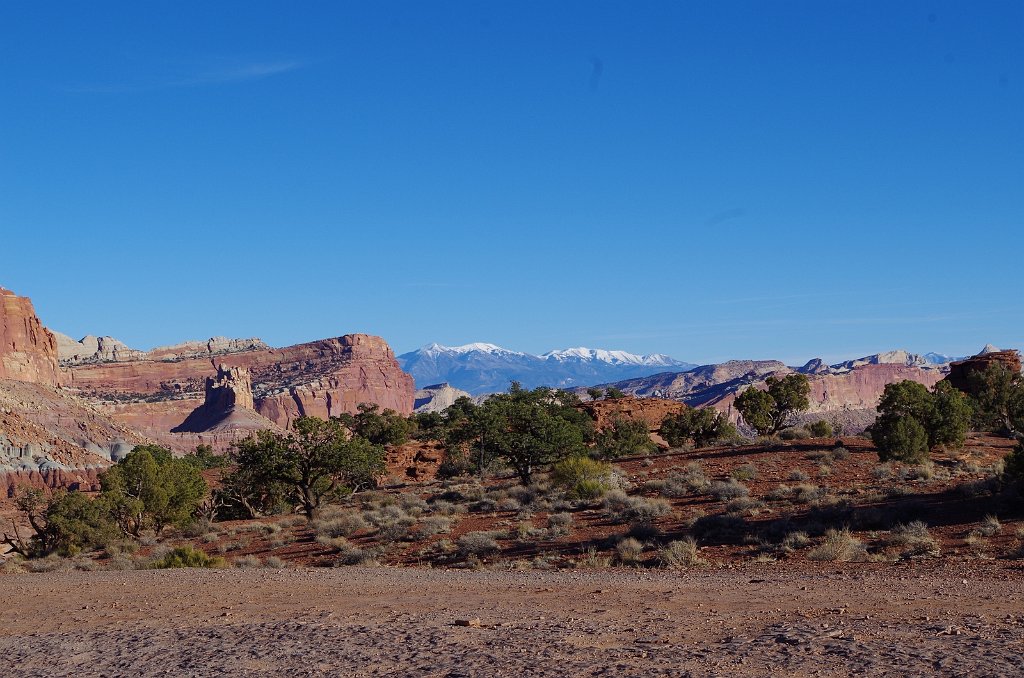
873, 619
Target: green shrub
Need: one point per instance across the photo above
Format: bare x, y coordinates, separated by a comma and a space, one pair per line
186, 556
581, 477
900, 438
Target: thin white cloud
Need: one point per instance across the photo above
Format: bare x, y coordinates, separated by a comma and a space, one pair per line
235, 74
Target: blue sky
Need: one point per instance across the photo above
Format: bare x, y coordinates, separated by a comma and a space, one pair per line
711, 180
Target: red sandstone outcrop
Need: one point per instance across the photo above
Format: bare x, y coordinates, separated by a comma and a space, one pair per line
961, 371
28, 351
416, 460
651, 411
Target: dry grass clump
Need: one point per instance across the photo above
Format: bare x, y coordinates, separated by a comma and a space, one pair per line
629, 551
680, 554
345, 525
838, 545
622, 508
989, 527
674, 486
798, 476
794, 541
592, 559
913, 540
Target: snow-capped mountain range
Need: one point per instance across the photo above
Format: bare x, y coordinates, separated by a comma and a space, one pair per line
486, 368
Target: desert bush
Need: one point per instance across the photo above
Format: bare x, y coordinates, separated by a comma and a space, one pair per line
795, 433
780, 493
820, 429
674, 486
682, 553
744, 472
274, 563
838, 545
798, 475
624, 437
729, 489
560, 522
840, 453
629, 550
913, 539
478, 544
702, 425
186, 556
349, 554
581, 477
806, 493
247, 562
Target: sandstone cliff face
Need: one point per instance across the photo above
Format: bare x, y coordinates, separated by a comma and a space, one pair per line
28, 351
321, 378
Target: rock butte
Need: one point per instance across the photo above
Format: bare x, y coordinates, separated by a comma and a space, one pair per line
68, 408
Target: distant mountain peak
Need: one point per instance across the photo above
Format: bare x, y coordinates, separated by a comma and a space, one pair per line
482, 367
989, 348
475, 347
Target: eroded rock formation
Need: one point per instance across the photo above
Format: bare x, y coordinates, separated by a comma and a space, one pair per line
28, 351
228, 405
960, 372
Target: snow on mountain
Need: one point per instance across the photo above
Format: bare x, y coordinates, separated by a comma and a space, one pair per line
486, 368
612, 357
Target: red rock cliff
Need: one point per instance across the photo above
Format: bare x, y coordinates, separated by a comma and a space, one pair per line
321, 378
28, 351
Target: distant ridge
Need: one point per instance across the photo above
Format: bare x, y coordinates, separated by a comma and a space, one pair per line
480, 367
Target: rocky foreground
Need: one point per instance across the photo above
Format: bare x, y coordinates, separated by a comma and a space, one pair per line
951, 618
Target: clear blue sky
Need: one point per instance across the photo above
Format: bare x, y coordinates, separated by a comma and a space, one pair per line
710, 180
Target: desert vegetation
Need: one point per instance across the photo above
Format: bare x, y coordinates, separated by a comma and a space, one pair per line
529, 480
